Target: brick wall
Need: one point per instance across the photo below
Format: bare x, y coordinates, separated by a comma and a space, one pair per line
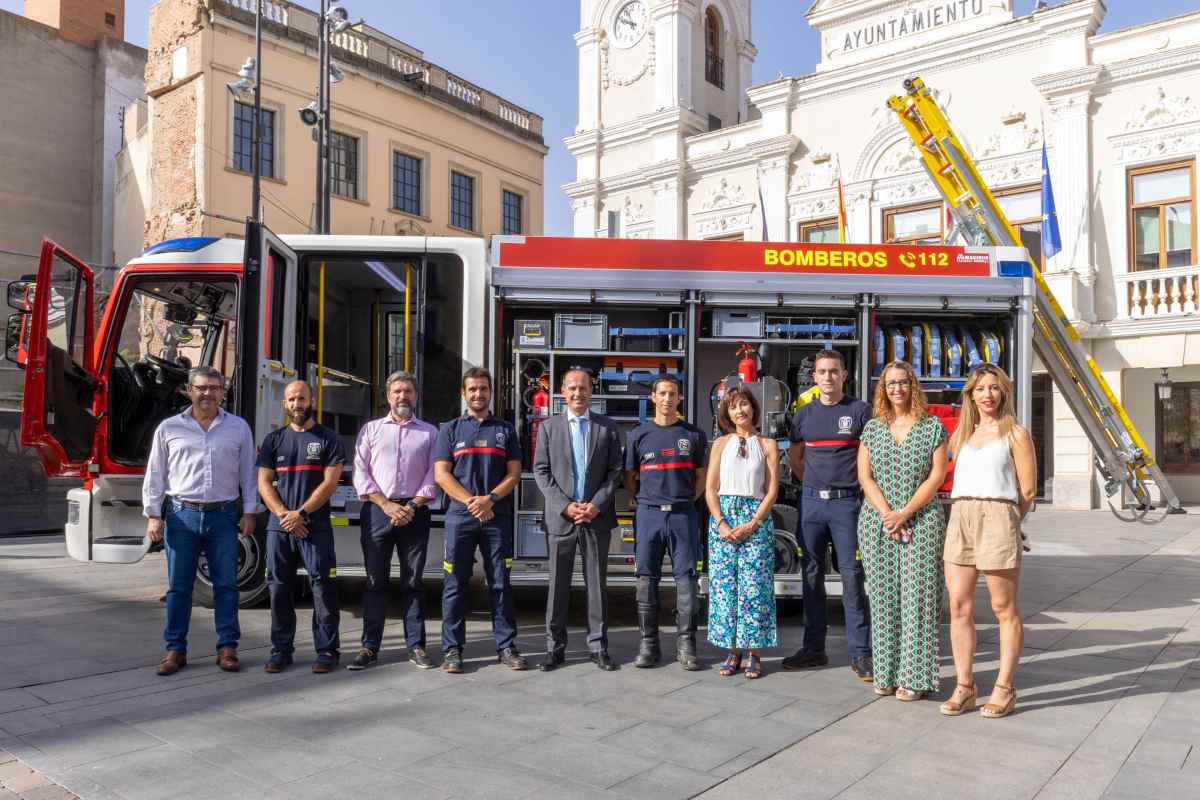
84, 22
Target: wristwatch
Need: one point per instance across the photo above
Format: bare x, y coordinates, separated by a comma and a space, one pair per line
304, 517
492, 496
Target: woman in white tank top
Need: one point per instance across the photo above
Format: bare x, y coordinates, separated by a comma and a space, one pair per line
995, 479
740, 488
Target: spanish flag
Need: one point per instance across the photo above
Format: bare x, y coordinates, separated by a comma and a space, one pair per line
841, 212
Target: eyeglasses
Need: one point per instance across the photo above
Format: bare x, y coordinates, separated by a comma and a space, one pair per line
741, 447
900, 384
208, 389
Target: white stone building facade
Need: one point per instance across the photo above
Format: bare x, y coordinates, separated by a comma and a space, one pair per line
673, 142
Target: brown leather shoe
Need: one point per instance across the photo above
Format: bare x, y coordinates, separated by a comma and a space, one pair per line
172, 662
227, 659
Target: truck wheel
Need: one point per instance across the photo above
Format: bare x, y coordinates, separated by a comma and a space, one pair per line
251, 573
787, 553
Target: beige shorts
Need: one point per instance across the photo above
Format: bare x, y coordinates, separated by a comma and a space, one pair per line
985, 534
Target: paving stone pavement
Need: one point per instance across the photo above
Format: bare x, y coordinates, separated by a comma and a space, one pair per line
1109, 698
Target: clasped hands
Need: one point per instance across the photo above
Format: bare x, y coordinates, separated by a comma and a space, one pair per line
735, 533
895, 525
480, 507
581, 513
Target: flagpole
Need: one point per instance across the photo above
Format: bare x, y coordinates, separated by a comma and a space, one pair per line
841, 199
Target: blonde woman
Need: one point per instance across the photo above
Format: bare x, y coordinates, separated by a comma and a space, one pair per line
741, 486
995, 477
901, 531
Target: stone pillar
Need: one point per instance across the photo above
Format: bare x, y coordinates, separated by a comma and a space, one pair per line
668, 209
584, 212
772, 186
588, 43
746, 53
673, 25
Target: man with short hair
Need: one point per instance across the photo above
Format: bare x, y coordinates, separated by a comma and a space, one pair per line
477, 463
824, 455
299, 466
577, 465
393, 475
199, 485
665, 464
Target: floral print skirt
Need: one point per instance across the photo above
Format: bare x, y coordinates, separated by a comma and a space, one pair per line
741, 580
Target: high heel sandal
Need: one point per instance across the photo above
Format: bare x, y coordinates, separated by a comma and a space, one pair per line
908, 695
883, 691
754, 668
956, 708
732, 665
993, 711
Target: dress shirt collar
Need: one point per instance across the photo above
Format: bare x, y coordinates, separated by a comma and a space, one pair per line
572, 416
391, 420
188, 416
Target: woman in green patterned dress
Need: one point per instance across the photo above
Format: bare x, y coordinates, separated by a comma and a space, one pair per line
901, 531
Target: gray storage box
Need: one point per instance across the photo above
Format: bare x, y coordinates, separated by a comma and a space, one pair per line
581, 331
531, 537
729, 324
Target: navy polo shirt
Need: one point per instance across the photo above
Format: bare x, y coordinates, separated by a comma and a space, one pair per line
666, 458
299, 459
831, 438
479, 452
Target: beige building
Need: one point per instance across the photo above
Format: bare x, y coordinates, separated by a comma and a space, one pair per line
437, 155
672, 144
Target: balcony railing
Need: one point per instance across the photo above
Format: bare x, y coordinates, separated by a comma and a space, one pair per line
714, 69
1158, 293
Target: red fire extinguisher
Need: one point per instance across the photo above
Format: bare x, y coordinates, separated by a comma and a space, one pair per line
539, 409
747, 367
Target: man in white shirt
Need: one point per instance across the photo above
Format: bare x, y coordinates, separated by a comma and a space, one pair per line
200, 483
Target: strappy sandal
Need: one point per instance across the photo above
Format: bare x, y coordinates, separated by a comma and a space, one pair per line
883, 691
732, 665
908, 695
956, 708
754, 669
994, 711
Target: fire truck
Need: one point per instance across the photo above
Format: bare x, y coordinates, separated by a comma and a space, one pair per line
344, 311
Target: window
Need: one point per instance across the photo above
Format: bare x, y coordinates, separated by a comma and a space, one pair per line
1178, 428
406, 183
110, 20
510, 213
462, 201
343, 164
714, 122
913, 225
1162, 216
714, 65
1023, 207
819, 231
243, 139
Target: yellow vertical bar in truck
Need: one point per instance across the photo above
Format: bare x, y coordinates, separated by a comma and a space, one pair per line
407, 313
320, 341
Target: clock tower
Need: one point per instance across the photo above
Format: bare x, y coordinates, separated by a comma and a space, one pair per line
651, 74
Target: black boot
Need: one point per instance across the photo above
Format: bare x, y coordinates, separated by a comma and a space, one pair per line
687, 606
649, 652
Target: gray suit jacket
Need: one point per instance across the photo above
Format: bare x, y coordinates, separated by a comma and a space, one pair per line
554, 470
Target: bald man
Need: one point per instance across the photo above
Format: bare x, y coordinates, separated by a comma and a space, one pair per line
299, 466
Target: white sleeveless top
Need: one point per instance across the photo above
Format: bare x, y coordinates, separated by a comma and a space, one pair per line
743, 477
985, 473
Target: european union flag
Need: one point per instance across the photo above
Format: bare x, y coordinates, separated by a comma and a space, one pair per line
1051, 238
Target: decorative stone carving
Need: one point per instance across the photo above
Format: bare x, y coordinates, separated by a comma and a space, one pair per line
904, 191
723, 195
823, 205
728, 221
1015, 138
607, 76
1163, 110
900, 159
1147, 146
1012, 170
633, 213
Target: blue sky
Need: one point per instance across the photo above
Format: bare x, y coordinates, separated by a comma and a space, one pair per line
523, 50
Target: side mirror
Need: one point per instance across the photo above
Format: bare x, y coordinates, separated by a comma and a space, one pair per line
16, 348
18, 295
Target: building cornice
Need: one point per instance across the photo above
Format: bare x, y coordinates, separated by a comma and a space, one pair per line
1068, 82
1152, 64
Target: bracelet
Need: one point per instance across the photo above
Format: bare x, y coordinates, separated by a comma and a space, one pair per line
722, 521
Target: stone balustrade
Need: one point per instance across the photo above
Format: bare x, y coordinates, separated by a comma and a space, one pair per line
1158, 293
353, 46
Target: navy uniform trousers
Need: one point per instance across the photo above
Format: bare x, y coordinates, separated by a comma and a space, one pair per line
494, 540
284, 554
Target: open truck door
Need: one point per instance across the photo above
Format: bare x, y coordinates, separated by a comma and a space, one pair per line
57, 418
267, 350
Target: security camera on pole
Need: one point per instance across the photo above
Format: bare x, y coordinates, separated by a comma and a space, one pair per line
250, 77
333, 19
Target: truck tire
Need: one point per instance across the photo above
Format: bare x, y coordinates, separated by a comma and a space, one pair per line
251, 573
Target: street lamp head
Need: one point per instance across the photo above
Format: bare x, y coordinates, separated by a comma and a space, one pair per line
1163, 386
249, 69
336, 74
336, 18
311, 114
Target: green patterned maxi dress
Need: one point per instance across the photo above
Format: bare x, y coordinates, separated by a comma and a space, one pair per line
904, 580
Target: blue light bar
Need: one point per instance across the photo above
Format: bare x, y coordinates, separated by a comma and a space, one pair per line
1015, 269
188, 244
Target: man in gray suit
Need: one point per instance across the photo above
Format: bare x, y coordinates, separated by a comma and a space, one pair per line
577, 464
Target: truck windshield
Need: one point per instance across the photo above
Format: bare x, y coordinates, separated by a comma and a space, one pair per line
165, 326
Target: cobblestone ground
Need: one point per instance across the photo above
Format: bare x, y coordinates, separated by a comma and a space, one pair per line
1109, 698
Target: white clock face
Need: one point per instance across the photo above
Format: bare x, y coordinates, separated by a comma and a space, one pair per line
629, 24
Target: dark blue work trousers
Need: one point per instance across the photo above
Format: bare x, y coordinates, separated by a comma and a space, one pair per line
380, 538
284, 554
836, 521
494, 540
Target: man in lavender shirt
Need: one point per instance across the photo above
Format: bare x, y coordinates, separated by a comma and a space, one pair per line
393, 475
199, 485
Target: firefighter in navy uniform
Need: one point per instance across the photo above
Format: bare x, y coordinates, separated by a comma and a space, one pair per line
477, 463
664, 466
299, 466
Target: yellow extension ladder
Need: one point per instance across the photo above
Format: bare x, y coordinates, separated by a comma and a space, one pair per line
1121, 455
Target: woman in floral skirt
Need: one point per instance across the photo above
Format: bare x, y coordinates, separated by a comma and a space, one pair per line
741, 486
901, 532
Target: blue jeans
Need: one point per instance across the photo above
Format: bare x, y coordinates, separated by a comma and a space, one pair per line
188, 534
836, 521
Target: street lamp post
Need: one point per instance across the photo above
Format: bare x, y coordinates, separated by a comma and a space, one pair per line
256, 143
332, 19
